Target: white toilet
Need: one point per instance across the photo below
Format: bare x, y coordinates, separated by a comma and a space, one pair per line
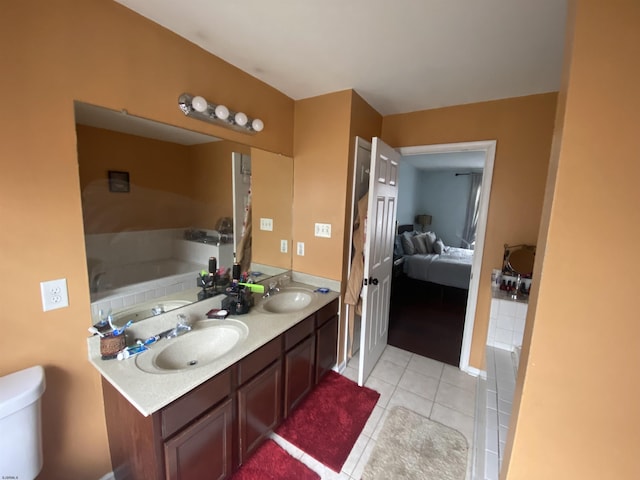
21, 442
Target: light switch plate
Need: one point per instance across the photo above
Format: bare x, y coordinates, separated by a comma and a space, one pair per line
54, 294
266, 224
323, 230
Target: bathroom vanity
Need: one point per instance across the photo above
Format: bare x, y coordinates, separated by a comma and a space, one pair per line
191, 428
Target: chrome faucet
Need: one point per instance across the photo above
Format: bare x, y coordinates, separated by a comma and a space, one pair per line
181, 327
272, 290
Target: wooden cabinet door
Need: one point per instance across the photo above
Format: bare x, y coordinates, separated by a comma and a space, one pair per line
203, 449
259, 409
299, 373
326, 347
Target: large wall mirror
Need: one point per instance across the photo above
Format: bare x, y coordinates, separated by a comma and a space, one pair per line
159, 201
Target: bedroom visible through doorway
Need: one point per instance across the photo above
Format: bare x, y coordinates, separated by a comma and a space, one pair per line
435, 310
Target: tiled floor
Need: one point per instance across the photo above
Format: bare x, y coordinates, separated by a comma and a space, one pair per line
436, 390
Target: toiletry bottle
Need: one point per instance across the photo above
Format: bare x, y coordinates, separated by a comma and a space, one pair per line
213, 265
236, 269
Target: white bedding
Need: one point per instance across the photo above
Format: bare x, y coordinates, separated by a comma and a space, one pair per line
451, 268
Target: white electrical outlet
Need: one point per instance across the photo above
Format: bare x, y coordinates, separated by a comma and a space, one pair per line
54, 294
284, 246
300, 249
323, 230
266, 224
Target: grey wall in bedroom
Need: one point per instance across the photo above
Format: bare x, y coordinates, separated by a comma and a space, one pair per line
408, 183
444, 196
437, 193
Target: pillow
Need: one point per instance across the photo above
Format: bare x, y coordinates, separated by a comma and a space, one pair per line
439, 247
407, 243
430, 239
419, 243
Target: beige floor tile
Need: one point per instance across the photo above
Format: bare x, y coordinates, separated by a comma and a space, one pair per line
454, 419
387, 371
456, 398
457, 377
364, 458
419, 384
373, 420
396, 355
426, 366
351, 373
411, 401
383, 388
356, 453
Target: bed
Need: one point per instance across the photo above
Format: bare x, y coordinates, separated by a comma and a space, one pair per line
439, 264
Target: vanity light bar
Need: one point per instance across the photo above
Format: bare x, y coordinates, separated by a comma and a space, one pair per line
198, 107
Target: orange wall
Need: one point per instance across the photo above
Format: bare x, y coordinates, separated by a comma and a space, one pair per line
101, 53
160, 196
325, 128
271, 197
523, 129
577, 406
321, 148
211, 183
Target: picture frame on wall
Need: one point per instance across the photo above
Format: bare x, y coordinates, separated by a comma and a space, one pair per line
118, 181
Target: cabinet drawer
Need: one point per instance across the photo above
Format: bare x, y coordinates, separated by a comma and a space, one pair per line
298, 332
258, 360
180, 412
325, 313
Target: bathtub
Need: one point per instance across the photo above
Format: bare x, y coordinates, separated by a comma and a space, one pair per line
130, 268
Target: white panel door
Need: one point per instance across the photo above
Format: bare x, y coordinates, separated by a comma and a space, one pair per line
378, 255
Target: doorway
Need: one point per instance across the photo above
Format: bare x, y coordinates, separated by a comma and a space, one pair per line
488, 148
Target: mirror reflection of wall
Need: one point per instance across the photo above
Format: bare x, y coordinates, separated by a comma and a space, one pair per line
180, 191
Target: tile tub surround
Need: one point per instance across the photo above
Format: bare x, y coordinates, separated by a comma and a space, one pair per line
506, 321
493, 412
149, 392
175, 287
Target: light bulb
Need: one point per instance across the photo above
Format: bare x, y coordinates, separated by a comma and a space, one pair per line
199, 104
257, 124
241, 119
222, 112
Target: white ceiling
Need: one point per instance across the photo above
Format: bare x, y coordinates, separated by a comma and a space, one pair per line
400, 56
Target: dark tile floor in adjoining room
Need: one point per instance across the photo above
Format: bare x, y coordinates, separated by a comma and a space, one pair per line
427, 319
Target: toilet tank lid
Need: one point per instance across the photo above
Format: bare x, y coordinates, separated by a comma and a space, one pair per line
19, 389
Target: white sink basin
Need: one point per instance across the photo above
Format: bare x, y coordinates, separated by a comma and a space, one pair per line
205, 343
288, 301
140, 312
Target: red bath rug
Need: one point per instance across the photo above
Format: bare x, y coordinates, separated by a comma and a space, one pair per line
328, 422
271, 462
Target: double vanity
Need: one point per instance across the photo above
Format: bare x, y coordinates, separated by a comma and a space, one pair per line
197, 406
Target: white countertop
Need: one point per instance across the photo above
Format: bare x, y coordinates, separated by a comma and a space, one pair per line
149, 392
